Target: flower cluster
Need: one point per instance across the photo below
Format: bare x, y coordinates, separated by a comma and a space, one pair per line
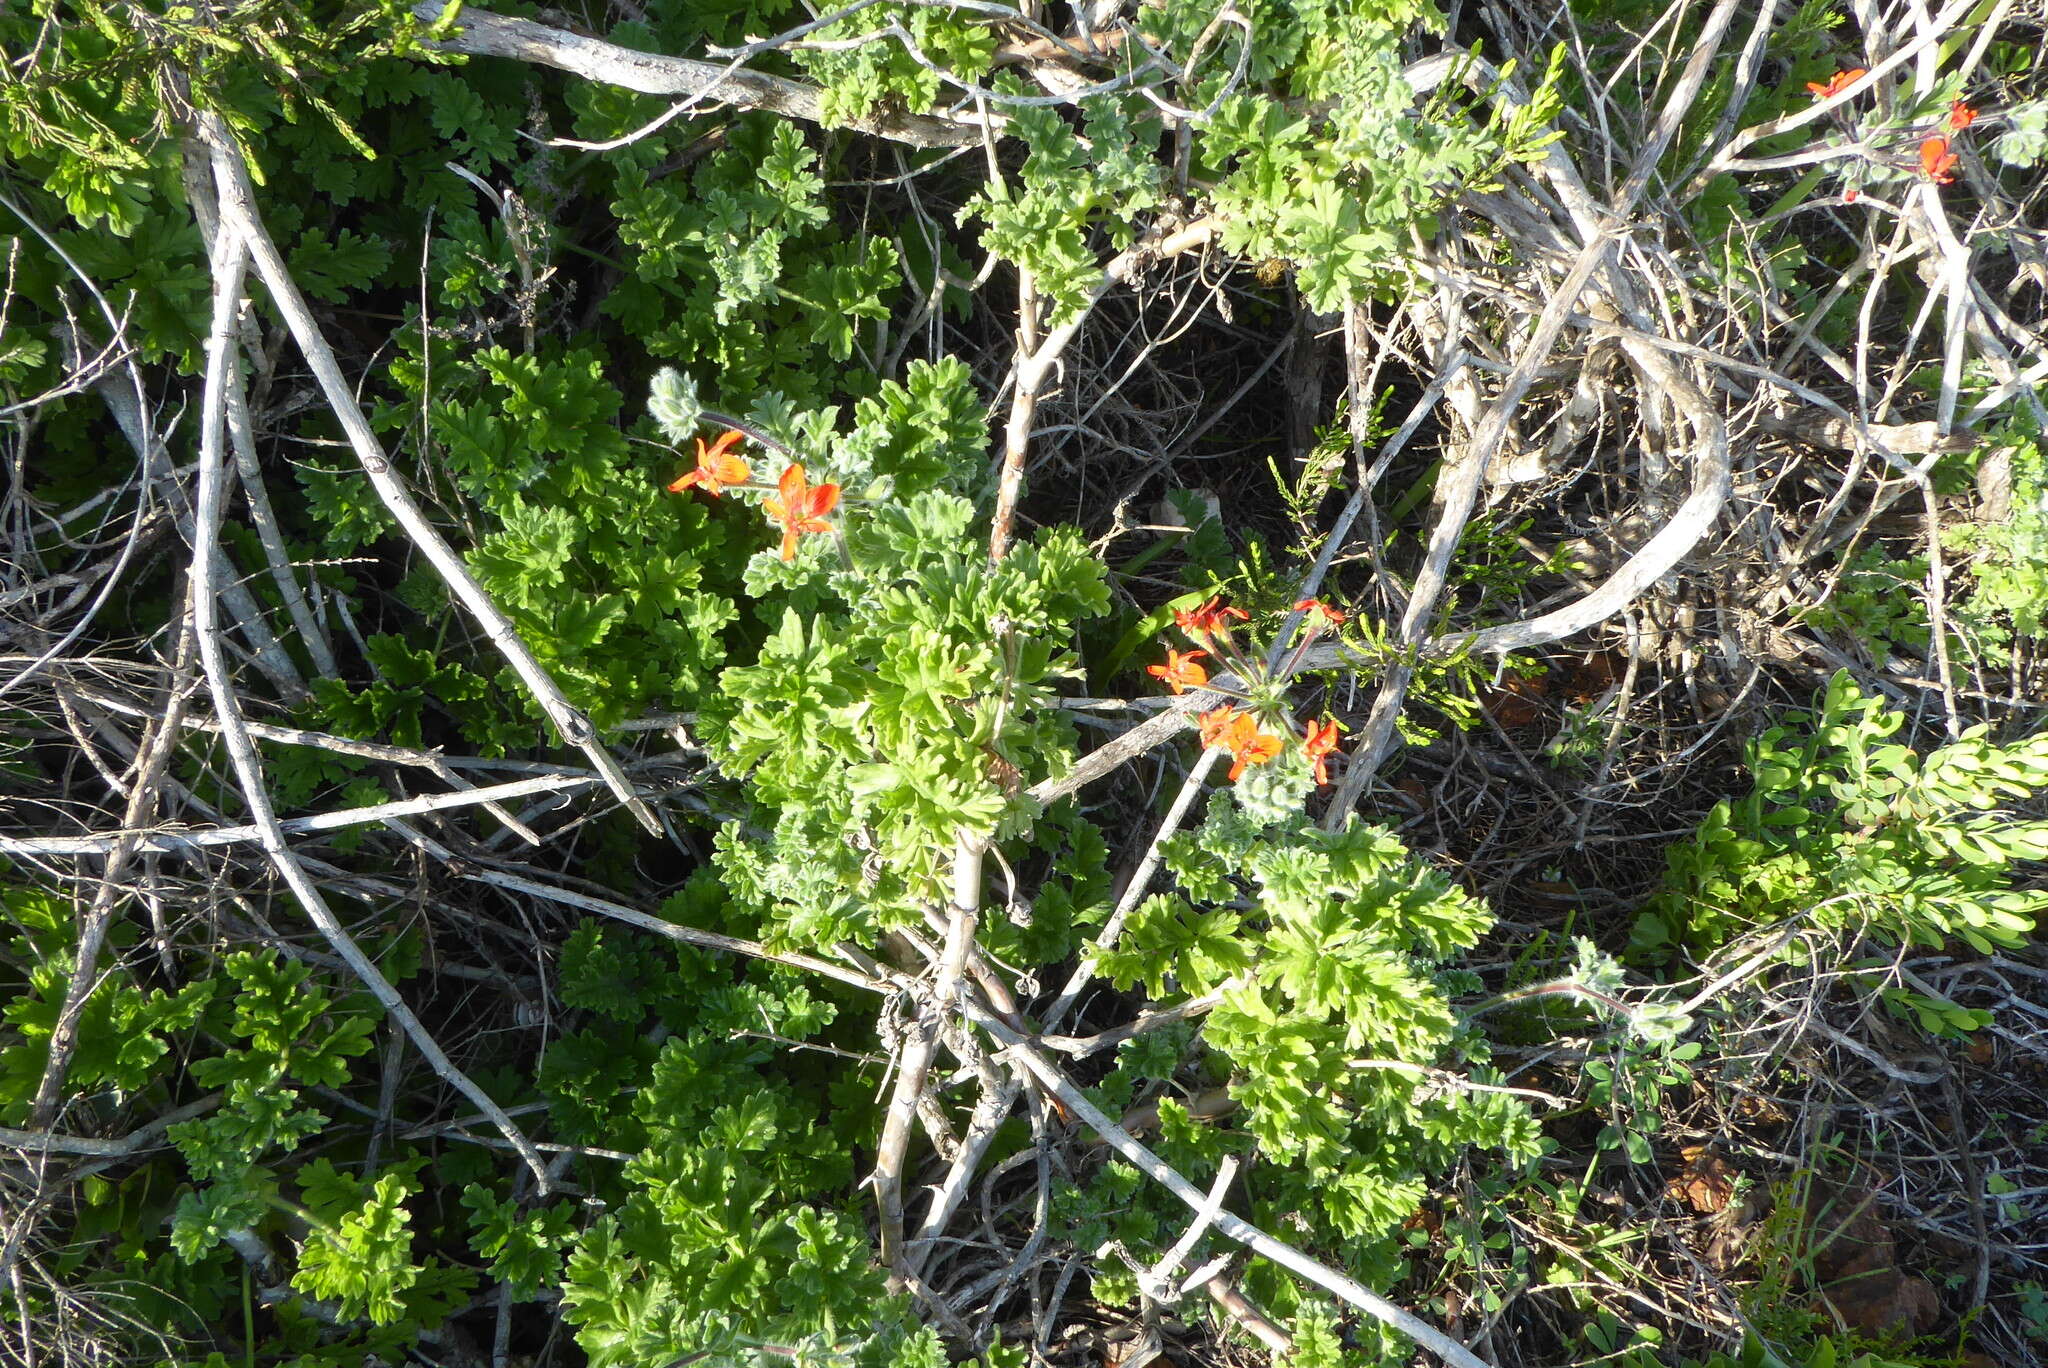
1239, 731
1937, 157
1227, 729
797, 504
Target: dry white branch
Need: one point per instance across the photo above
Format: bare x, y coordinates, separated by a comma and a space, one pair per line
990, 1111
1939, 29
1237, 1228
913, 1063
237, 201
145, 1136
484, 34
1688, 526
1157, 1282
688, 935
1038, 356
167, 841
1240, 1309
1134, 892
242, 432
230, 265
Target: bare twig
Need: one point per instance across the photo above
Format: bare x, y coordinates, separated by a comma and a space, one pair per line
688, 935
230, 264
170, 841
484, 34
159, 742
1038, 356
914, 1059
145, 1136
1134, 892
238, 209
1244, 1232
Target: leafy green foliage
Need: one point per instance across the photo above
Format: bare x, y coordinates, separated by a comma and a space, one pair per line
858, 76
890, 719
407, 682
2009, 603
866, 708
124, 1032
1627, 1088
360, 1250
524, 1247
1857, 832
721, 1240
1064, 190
1874, 603
1329, 1029
1335, 197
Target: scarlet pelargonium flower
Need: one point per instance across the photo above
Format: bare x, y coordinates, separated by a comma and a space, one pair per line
1211, 618
800, 507
1323, 610
1837, 83
1254, 749
1960, 117
1180, 671
1319, 741
1215, 723
1936, 159
1228, 729
717, 468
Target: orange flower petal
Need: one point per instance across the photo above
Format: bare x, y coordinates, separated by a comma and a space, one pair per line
1180, 671
799, 507
1256, 748
1212, 616
1837, 83
1215, 725
1319, 742
717, 468
1936, 159
1330, 615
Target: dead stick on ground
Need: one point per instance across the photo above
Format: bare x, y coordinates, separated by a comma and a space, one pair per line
238, 210
1134, 892
1038, 355
241, 430
1460, 495
687, 935
230, 266
145, 1136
